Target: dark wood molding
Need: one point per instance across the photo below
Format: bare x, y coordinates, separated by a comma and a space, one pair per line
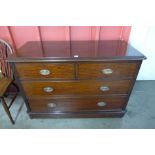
95, 114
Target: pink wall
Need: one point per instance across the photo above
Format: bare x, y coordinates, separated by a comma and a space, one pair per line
18, 35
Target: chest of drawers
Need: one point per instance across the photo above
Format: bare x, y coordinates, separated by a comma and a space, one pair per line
80, 80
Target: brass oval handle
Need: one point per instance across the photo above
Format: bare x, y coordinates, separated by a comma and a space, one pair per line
107, 71
48, 89
51, 105
44, 72
104, 88
101, 104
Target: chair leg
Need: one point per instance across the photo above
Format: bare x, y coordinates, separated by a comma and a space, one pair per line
15, 96
7, 110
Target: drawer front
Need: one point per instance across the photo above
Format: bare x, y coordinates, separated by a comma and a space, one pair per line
107, 70
45, 88
45, 70
77, 105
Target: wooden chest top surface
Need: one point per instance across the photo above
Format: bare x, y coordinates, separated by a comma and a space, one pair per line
76, 51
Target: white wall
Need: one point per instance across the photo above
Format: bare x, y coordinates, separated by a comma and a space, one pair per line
143, 39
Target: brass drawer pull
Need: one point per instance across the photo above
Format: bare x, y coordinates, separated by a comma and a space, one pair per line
101, 104
48, 89
107, 71
44, 72
104, 88
51, 105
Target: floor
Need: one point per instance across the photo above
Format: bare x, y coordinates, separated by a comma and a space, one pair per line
140, 114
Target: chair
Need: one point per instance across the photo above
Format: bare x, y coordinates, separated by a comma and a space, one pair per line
7, 78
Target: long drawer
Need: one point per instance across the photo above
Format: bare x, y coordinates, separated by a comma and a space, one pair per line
107, 70
77, 105
45, 70
50, 88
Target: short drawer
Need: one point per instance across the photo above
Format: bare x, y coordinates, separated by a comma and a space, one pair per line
107, 70
45, 70
77, 104
50, 88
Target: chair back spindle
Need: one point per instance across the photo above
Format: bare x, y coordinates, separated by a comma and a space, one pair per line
5, 50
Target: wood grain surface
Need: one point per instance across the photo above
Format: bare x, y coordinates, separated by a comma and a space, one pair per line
119, 70
36, 88
76, 104
57, 70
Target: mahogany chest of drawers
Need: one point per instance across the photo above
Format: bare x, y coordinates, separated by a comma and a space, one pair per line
77, 78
